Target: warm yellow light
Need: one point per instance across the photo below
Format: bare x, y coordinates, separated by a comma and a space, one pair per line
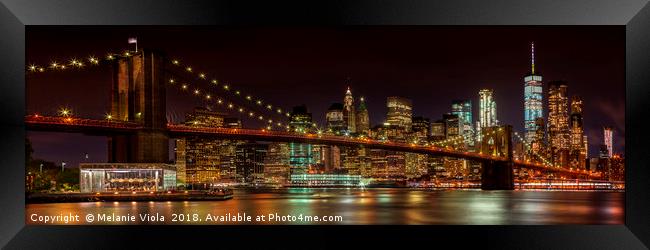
189, 69
175, 62
65, 112
214, 81
202, 76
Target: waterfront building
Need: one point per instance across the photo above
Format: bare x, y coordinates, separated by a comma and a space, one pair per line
400, 112
203, 160
276, 164
249, 162
349, 113
533, 99
101, 177
300, 154
325, 180
616, 168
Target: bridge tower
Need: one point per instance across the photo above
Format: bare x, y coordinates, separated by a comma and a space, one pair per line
138, 95
497, 174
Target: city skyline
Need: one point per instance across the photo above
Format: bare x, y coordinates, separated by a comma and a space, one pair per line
507, 113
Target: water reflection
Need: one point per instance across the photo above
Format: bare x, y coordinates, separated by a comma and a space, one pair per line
377, 206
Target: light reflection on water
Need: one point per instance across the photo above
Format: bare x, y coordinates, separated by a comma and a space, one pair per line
379, 206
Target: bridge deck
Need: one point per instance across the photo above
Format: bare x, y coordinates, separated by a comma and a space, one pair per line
107, 127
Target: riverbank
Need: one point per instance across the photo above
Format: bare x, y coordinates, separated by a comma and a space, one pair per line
128, 196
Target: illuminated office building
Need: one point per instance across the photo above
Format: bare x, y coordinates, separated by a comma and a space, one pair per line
533, 97
438, 130
203, 160
487, 111
616, 168
558, 122
300, 154
363, 118
276, 164
400, 112
608, 134
334, 119
577, 147
249, 162
421, 128
349, 113
463, 109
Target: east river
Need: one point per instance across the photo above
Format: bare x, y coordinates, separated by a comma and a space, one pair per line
355, 206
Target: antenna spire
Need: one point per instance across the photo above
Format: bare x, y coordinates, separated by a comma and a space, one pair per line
532, 57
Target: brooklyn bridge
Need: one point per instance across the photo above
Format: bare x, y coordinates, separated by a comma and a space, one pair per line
138, 131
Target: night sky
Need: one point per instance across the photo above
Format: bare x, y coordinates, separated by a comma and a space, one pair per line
291, 66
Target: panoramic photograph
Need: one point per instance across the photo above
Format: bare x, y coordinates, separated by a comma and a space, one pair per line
354, 125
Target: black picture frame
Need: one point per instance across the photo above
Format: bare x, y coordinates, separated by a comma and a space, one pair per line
16, 14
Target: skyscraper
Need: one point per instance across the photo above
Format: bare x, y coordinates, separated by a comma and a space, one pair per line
608, 134
334, 119
577, 145
558, 122
205, 160
532, 98
300, 154
400, 112
421, 128
349, 114
363, 118
463, 108
487, 111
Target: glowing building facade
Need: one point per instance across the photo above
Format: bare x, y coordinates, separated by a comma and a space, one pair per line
400, 112
578, 150
558, 122
300, 154
463, 109
349, 114
608, 140
363, 119
533, 106
334, 119
487, 111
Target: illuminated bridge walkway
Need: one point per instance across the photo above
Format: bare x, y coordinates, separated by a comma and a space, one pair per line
107, 127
